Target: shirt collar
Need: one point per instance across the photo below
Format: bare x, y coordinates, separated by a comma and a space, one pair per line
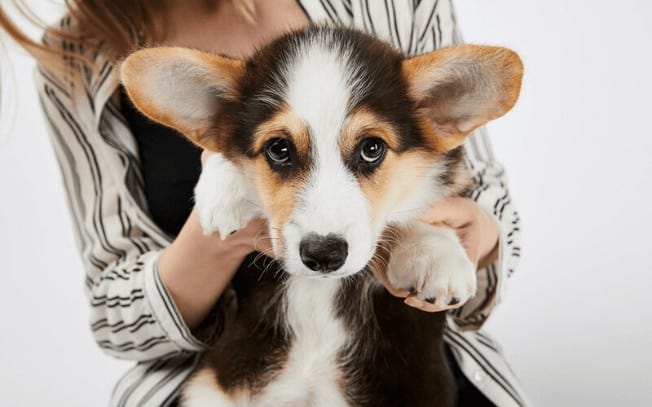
106, 83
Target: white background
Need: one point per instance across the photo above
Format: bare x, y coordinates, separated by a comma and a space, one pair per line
576, 320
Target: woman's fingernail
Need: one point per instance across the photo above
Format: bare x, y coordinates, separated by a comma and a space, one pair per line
412, 301
402, 293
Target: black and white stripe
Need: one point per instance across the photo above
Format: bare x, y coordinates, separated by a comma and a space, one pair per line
132, 315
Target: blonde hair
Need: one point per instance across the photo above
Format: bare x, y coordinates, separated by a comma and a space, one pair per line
118, 26
7, 25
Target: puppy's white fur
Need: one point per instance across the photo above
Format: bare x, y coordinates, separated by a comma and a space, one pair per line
433, 261
331, 201
310, 376
224, 200
202, 391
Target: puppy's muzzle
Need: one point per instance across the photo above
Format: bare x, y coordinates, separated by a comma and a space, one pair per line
324, 254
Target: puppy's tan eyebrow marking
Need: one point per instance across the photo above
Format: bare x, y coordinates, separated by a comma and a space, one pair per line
363, 123
284, 124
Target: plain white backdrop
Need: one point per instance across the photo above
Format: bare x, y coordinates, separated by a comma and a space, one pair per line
576, 320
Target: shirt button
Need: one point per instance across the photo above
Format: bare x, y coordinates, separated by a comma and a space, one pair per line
478, 375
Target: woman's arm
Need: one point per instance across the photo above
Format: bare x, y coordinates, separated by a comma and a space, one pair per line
196, 268
491, 195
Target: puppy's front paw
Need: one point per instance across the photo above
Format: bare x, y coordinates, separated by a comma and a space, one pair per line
223, 199
432, 263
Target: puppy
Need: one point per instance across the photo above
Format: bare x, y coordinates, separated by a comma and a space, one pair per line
341, 142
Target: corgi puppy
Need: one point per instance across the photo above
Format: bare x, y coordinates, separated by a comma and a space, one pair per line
341, 142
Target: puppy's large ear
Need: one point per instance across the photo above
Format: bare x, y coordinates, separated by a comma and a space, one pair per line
181, 88
460, 88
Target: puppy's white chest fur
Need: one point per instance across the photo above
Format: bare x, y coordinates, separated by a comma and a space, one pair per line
310, 376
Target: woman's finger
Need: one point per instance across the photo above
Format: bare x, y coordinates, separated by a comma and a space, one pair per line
453, 212
422, 305
382, 277
262, 241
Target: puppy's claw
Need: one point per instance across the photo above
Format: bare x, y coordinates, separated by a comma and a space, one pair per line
432, 261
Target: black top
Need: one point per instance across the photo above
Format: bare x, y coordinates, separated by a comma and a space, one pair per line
170, 165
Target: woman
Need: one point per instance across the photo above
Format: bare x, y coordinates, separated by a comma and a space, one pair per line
152, 277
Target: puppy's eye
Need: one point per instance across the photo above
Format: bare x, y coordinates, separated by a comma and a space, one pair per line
278, 152
372, 151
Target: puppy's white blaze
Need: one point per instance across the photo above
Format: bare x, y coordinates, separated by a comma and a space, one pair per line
317, 90
332, 201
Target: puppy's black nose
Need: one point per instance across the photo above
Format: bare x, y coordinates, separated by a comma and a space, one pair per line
323, 253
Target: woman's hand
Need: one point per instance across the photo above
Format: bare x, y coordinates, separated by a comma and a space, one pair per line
478, 233
196, 268
204, 155
477, 229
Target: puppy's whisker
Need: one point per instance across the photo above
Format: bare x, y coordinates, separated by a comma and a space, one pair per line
420, 208
253, 203
266, 253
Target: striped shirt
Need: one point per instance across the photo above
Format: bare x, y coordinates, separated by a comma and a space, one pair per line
132, 315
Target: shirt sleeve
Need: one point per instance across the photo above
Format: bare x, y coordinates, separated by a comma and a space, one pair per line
132, 316
490, 192
435, 26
